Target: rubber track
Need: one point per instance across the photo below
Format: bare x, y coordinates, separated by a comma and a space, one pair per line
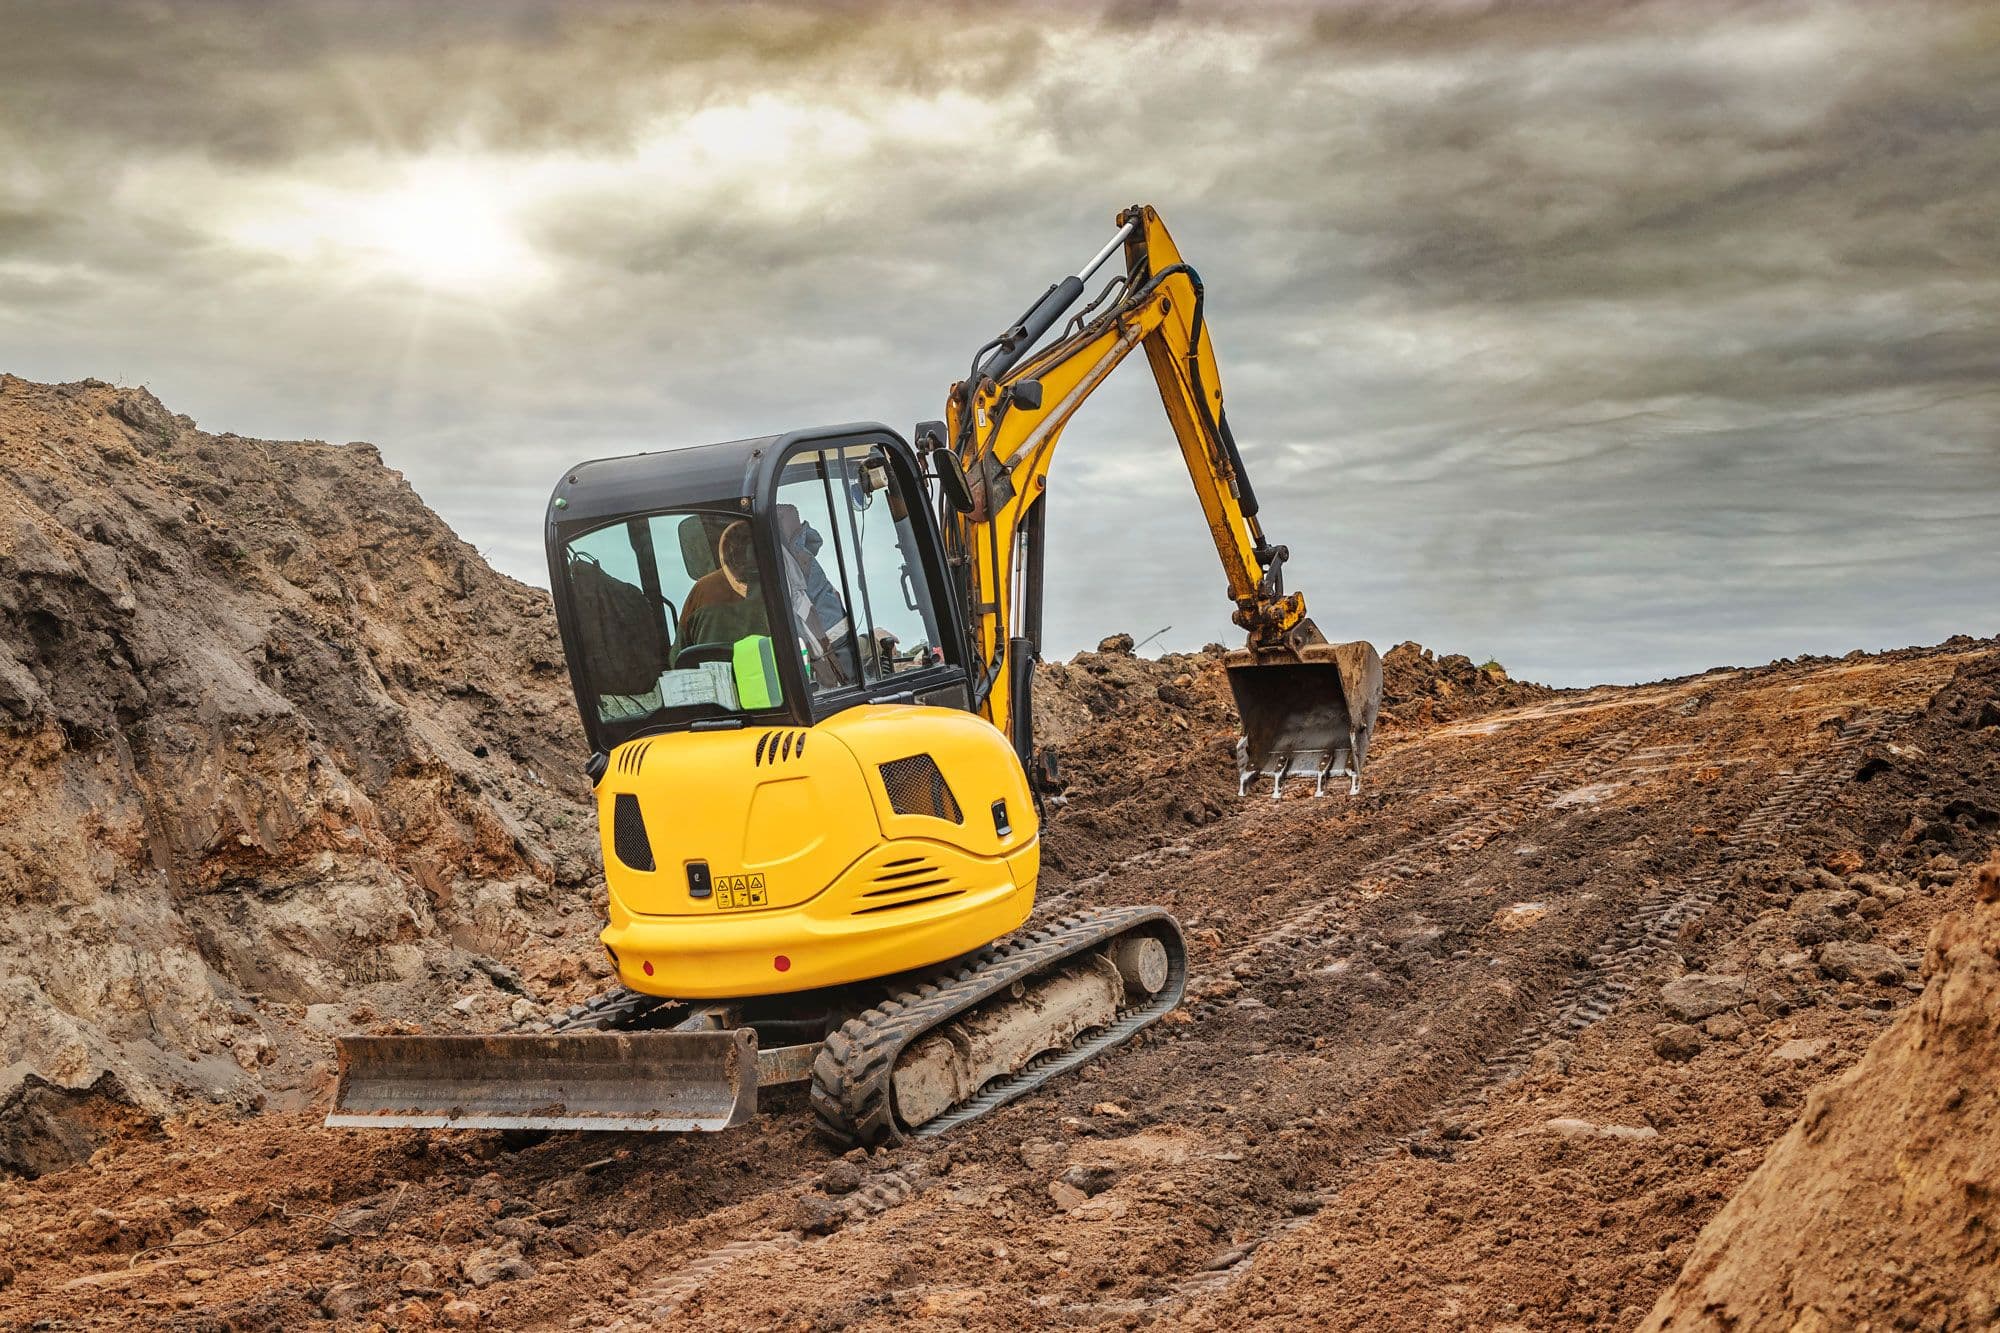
851, 1083
614, 1008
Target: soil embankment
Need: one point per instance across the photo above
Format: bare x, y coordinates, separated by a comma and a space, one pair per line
1880, 1199
279, 755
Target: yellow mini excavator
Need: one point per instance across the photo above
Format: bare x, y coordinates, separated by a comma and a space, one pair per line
804, 665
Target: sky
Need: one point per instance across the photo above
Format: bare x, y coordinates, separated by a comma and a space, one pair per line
1611, 341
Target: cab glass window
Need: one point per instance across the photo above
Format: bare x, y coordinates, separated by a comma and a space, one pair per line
854, 582
670, 616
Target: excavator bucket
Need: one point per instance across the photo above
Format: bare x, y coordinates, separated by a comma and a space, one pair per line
1308, 711
563, 1080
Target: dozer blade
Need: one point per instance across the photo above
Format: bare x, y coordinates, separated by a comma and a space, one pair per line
1308, 711
564, 1080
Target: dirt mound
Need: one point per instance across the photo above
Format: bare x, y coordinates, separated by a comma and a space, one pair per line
1878, 1204
280, 754
1147, 746
1146, 752
1419, 687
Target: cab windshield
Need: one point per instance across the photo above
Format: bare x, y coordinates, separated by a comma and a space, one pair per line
671, 620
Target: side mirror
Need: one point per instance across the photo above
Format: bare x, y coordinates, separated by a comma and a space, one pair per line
951, 480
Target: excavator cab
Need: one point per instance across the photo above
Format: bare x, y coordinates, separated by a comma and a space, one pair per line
772, 582
780, 718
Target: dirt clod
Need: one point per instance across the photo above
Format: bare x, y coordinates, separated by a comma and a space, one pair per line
1861, 962
484, 1267
843, 1176
1677, 1041
1696, 996
460, 1314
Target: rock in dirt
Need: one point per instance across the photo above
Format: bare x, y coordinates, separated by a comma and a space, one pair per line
1724, 1027
817, 1215
369, 1218
99, 1227
417, 1275
1799, 1050
1039, 1154
482, 1268
1876, 1207
1066, 1196
1697, 995
1861, 962
1116, 643
1676, 1041
346, 1300
1106, 1209
1584, 1129
461, 1314
842, 1177
1092, 1179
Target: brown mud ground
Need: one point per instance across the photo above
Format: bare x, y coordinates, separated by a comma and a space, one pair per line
1427, 1078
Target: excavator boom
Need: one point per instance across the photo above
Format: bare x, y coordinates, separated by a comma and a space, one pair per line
1308, 707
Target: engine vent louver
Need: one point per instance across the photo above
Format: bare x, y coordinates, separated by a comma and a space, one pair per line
910, 882
628, 833
917, 787
775, 747
633, 757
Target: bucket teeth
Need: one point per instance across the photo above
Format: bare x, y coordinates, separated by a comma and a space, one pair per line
1309, 710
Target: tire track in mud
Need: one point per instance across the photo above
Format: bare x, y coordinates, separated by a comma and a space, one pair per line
644, 1308
1592, 756
1638, 940
1628, 736
1492, 816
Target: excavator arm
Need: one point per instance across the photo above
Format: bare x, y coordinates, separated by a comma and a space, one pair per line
1307, 706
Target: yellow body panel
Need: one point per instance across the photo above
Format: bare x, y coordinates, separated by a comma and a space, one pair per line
816, 878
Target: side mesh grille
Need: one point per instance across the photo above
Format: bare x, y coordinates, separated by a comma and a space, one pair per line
916, 787
628, 833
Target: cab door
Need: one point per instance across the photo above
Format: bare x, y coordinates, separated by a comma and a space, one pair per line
864, 576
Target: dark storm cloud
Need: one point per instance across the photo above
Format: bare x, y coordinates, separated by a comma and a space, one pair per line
1608, 340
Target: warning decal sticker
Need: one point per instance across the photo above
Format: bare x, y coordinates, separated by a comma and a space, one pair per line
736, 892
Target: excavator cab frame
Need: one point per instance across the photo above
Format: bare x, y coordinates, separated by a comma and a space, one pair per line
720, 484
